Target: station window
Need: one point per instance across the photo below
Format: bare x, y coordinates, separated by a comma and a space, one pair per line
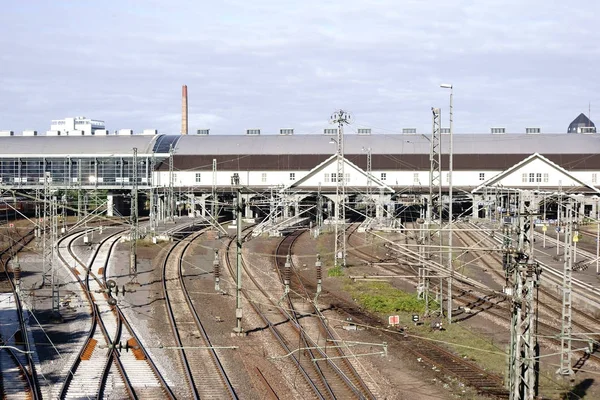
347, 178
334, 177
198, 177
174, 177
263, 177
326, 178
292, 176
524, 179
594, 178
531, 177
482, 176
383, 176
545, 177
416, 177
538, 177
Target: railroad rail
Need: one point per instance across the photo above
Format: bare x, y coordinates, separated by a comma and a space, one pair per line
19, 375
485, 382
342, 378
92, 367
203, 370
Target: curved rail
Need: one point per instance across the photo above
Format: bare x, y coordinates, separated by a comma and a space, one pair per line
112, 356
198, 388
349, 377
30, 374
96, 321
299, 364
480, 379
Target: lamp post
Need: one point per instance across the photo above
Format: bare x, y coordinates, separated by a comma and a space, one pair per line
450, 215
235, 183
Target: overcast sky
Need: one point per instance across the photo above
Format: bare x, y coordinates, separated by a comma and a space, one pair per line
274, 64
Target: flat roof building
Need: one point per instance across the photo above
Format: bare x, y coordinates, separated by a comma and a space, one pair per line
77, 125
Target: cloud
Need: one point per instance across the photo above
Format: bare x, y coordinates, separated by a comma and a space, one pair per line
273, 64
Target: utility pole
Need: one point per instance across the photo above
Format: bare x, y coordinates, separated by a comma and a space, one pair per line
170, 195
319, 219
213, 206
369, 203
235, 182
523, 345
566, 329
134, 234
340, 118
54, 258
153, 216
44, 225
435, 189
450, 202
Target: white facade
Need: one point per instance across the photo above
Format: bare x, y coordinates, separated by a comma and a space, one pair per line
534, 172
80, 124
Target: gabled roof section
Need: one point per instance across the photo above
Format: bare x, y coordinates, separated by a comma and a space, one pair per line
348, 166
531, 159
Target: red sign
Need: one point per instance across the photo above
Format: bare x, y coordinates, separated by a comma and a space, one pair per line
394, 320
11, 225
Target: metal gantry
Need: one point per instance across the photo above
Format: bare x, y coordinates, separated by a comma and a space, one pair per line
340, 118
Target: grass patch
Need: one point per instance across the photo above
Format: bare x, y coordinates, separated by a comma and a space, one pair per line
473, 346
381, 297
335, 271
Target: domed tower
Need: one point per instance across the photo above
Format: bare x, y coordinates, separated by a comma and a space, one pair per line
582, 124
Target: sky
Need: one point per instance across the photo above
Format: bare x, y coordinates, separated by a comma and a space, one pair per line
291, 64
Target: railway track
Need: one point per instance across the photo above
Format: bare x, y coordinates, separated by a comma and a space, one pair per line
483, 381
203, 370
267, 302
340, 375
18, 372
135, 376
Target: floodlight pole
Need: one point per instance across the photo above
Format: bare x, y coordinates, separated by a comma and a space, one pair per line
450, 200
235, 182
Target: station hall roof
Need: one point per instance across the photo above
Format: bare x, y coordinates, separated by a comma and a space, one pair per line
389, 144
406, 144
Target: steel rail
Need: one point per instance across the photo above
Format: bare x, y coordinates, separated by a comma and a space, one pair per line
272, 328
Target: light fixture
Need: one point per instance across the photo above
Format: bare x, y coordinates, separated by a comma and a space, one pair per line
446, 86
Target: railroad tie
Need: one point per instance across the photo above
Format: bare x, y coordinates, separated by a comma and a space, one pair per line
89, 349
135, 349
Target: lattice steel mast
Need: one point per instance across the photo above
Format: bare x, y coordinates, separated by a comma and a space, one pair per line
134, 234
524, 347
340, 118
567, 328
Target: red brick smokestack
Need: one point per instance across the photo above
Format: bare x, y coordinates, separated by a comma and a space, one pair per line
184, 111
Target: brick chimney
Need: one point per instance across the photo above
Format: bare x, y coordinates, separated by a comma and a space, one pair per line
184, 111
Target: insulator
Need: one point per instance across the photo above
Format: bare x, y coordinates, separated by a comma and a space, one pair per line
287, 272
217, 266
319, 269
17, 273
